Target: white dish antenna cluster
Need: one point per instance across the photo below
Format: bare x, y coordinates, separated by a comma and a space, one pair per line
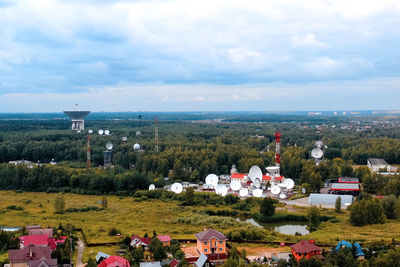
152, 187
177, 188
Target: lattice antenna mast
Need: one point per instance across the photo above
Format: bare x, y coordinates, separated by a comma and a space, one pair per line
156, 135
278, 150
89, 158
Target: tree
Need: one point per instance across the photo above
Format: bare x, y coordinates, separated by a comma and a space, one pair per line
313, 217
157, 249
338, 205
189, 196
59, 204
389, 206
267, 207
104, 202
366, 211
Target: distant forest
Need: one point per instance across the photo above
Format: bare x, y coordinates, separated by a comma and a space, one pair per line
189, 150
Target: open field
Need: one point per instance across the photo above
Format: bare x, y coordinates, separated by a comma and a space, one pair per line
138, 217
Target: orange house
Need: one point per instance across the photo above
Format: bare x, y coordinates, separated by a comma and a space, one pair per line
305, 249
165, 240
211, 242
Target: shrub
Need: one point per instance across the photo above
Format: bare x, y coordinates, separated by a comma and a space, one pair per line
114, 231
13, 207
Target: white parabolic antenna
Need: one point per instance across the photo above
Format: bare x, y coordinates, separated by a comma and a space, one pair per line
243, 192
205, 186
235, 185
257, 183
212, 179
136, 146
275, 189
177, 188
282, 185
319, 144
289, 183
272, 169
257, 193
90, 131
255, 172
152, 187
109, 146
317, 153
303, 190
221, 190
282, 195
101, 132
106, 132
210, 186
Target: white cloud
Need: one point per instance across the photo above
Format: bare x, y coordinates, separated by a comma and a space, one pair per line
307, 40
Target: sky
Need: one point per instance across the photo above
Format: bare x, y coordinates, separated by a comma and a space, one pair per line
203, 55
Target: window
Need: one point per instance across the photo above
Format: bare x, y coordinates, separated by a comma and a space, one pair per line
205, 250
215, 243
205, 243
220, 242
220, 249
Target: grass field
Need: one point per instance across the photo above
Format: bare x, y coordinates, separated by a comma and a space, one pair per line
133, 217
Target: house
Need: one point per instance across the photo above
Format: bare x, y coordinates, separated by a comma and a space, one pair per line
349, 180
137, 241
211, 241
345, 244
165, 240
101, 256
114, 261
43, 262
37, 240
344, 189
377, 165
22, 257
203, 261
305, 249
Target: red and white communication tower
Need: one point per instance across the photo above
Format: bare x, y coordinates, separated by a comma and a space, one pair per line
278, 150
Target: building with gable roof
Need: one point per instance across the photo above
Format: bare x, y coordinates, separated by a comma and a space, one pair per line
114, 261
22, 257
305, 249
165, 240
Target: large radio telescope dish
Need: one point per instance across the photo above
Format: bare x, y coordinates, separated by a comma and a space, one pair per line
212, 179
272, 169
289, 183
243, 192
255, 172
317, 153
152, 187
275, 189
221, 190
235, 185
177, 188
109, 146
257, 193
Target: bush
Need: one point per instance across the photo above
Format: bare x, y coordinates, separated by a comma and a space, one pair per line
114, 231
84, 209
13, 207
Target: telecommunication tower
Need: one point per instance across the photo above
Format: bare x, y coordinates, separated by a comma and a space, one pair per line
156, 135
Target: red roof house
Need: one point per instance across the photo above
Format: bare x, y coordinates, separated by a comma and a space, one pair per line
165, 240
27, 254
37, 240
137, 241
305, 249
114, 261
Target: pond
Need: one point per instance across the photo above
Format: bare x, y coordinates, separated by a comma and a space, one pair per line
287, 228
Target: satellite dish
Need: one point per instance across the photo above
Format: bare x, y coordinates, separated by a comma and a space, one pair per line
235, 185
136, 147
124, 139
212, 179
317, 153
282, 185
282, 195
289, 183
221, 190
303, 190
275, 189
257, 183
109, 146
177, 188
243, 192
152, 187
264, 187
78, 131
205, 186
319, 144
257, 192
101, 132
138, 133
107, 132
255, 172
269, 188
210, 186
90, 131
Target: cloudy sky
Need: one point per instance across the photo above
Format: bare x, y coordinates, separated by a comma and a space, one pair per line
182, 55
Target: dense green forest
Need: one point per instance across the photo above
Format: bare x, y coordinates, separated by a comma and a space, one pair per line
189, 150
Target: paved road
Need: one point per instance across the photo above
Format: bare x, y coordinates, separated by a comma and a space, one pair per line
81, 248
